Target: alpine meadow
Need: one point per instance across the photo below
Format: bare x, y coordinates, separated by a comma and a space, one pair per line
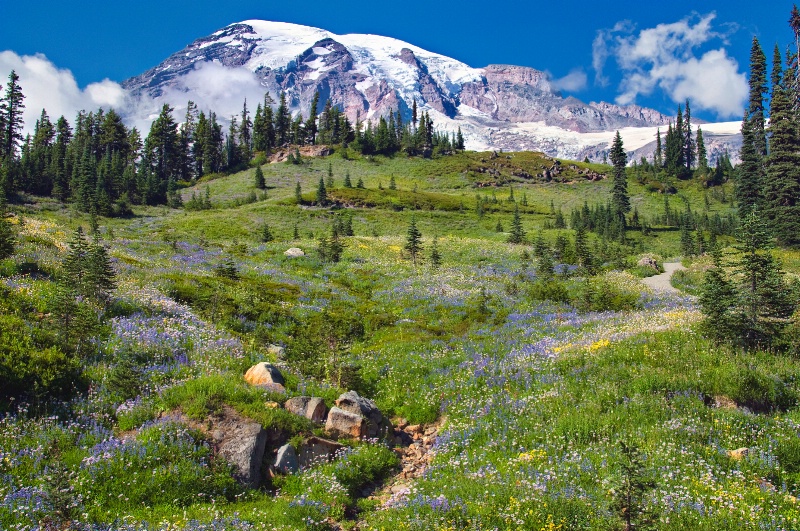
395, 292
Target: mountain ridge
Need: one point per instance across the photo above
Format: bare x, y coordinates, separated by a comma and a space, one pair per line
368, 76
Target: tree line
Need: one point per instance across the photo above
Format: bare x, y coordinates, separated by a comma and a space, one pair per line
103, 167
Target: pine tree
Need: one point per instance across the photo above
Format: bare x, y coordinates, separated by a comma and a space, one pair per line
347, 182
658, 157
392, 183
689, 146
298, 194
360, 183
100, 274
296, 232
283, 121
517, 235
749, 185
260, 183
413, 241
329, 182
620, 201
74, 264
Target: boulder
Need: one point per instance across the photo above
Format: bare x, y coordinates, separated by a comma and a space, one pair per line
377, 423
264, 374
276, 350
311, 408
315, 450
648, 261
343, 423
243, 443
286, 462
738, 454
294, 252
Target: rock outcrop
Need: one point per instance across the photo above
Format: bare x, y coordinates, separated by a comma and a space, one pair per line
376, 423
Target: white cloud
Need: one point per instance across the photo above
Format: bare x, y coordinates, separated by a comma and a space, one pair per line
573, 82
665, 58
47, 87
212, 86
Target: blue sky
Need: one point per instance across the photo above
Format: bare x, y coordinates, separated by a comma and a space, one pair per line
568, 38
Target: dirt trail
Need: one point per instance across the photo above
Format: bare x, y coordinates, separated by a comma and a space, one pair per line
661, 282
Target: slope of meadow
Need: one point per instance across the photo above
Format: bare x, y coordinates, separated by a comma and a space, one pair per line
533, 387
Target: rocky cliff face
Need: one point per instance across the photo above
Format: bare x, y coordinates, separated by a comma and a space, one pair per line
368, 76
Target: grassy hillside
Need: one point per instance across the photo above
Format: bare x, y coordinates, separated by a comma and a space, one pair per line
550, 397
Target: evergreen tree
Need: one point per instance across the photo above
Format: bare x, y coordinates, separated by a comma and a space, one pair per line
702, 156
392, 183
11, 107
298, 194
311, 124
100, 274
265, 234
329, 182
749, 186
658, 157
7, 239
782, 186
517, 235
436, 258
689, 146
260, 182
620, 201
360, 183
347, 182
413, 241
283, 121
322, 193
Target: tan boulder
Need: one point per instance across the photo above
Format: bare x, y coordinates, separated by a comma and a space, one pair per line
343, 423
266, 375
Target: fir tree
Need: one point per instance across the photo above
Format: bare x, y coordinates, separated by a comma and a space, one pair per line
329, 182
658, 156
436, 258
298, 194
322, 193
620, 201
12, 122
296, 232
100, 274
413, 241
702, 156
392, 183
517, 235
749, 185
347, 182
360, 183
74, 265
782, 186
260, 183
265, 234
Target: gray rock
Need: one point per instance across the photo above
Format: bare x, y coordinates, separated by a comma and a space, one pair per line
315, 450
311, 408
343, 423
648, 261
377, 423
286, 462
294, 252
276, 350
243, 447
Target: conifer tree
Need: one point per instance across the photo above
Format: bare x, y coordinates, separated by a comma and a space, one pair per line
517, 235
260, 182
392, 183
360, 183
782, 186
413, 241
11, 107
283, 121
620, 201
265, 234
74, 265
749, 185
689, 144
7, 240
100, 274
702, 155
347, 182
298, 194
322, 193
658, 157
436, 257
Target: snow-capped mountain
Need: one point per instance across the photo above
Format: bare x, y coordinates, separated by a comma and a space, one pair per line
496, 107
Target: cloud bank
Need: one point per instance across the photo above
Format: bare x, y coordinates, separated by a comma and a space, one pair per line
47, 87
212, 86
665, 57
575, 81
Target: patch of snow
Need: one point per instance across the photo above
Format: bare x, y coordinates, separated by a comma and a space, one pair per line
319, 50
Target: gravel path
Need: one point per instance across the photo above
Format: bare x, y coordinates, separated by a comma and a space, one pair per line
661, 282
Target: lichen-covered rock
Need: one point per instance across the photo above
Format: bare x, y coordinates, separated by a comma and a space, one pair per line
286, 461
312, 408
377, 425
343, 423
264, 374
648, 261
